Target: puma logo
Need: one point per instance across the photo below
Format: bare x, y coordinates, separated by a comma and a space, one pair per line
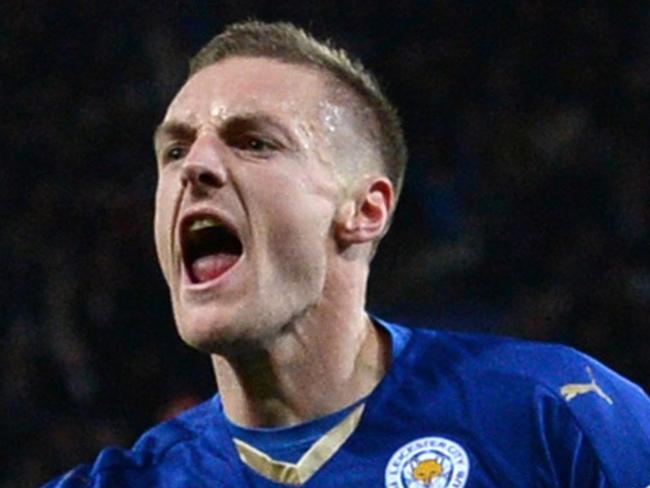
572, 390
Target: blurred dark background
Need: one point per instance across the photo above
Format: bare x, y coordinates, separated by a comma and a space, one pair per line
526, 210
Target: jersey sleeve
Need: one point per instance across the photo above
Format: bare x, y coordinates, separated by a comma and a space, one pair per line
596, 427
109, 463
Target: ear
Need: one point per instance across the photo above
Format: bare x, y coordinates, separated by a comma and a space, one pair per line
365, 217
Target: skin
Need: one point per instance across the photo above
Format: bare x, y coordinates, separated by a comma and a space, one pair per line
259, 143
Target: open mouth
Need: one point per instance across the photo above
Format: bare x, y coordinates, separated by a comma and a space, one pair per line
210, 249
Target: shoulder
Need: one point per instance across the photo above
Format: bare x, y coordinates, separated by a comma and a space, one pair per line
156, 442
570, 398
150, 452
550, 366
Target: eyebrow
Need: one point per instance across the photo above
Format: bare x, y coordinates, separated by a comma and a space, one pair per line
255, 120
174, 129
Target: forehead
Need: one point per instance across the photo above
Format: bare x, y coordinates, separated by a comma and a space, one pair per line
241, 85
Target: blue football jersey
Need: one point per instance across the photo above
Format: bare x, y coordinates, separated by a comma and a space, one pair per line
454, 410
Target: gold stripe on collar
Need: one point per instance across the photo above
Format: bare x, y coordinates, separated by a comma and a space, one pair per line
317, 455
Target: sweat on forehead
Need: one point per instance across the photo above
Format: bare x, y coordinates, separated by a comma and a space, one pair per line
301, 97
351, 128
377, 118
248, 84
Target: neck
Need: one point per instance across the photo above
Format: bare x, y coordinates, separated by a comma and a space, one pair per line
322, 362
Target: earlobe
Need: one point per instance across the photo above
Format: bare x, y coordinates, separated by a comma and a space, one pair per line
366, 217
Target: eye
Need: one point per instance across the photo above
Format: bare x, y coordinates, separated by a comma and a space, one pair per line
174, 153
258, 144
254, 144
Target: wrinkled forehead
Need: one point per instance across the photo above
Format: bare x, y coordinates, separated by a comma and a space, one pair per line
310, 105
247, 85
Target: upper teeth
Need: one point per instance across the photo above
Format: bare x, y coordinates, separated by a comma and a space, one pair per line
203, 224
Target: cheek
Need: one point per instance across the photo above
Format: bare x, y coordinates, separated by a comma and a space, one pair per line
300, 228
167, 197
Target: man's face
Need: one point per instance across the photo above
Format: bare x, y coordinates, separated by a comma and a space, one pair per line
246, 199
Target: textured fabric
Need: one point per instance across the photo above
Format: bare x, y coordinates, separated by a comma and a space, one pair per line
455, 410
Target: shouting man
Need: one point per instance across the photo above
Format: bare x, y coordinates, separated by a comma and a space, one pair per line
280, 163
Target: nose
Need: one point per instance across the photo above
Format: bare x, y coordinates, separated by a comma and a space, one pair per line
203, 167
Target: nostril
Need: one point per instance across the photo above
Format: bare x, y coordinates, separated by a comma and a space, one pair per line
207, 179
201, 176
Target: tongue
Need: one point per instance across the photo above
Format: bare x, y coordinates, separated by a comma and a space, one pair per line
210, 267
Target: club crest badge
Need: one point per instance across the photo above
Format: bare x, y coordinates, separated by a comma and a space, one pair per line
429, 462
